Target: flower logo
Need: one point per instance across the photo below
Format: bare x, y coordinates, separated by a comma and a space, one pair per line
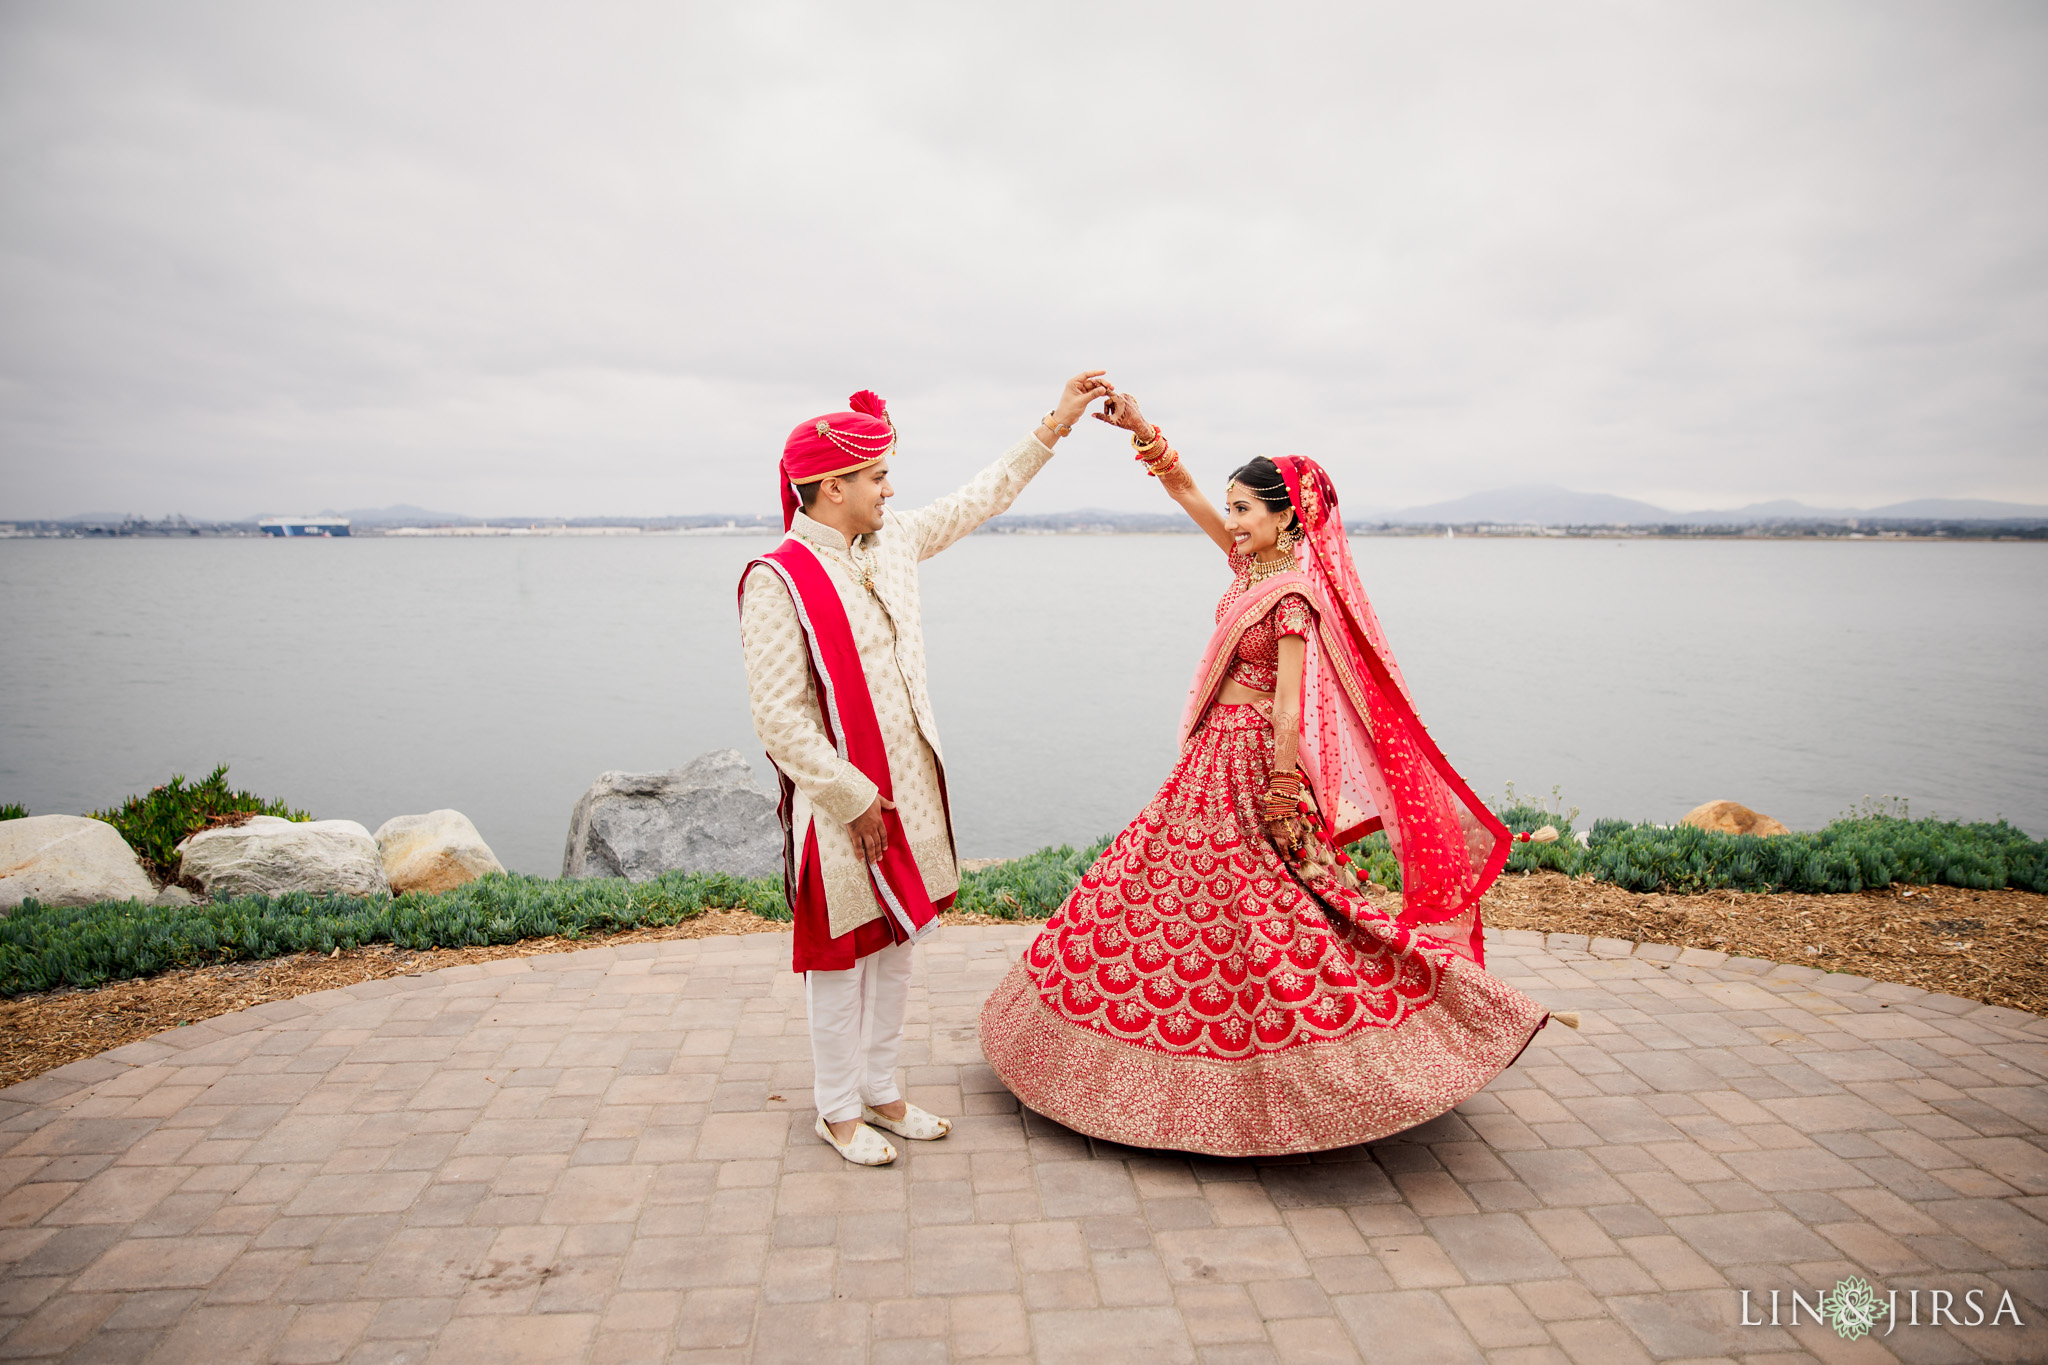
1853, 1309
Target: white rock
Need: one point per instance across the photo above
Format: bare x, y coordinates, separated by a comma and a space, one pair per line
268, 856
438, 851
66, 860
174, 894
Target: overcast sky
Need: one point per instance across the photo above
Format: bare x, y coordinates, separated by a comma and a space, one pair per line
577, 259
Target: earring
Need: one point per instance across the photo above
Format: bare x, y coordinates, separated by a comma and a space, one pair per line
1287, 540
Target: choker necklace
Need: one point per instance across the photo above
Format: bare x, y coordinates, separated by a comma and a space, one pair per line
1260, 570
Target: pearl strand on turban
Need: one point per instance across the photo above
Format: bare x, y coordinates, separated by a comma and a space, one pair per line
821, 448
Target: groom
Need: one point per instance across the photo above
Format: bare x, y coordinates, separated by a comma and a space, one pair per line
834, 647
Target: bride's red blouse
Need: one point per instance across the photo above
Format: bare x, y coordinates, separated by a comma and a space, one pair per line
1257, 664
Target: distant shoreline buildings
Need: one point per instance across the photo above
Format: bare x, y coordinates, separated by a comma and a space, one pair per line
1535, 510
1056, 524
303, 526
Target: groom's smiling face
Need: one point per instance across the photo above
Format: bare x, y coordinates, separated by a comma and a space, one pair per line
865, 491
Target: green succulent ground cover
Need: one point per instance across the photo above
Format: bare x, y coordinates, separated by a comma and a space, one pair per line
1860, 850
1849, 855
1031, 887
155, 823
13, 810
41, 947
1374, 859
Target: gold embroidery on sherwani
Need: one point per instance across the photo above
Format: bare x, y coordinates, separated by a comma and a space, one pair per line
889, 637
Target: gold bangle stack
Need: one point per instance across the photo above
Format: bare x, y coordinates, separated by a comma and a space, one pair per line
1156, 465
1283, 795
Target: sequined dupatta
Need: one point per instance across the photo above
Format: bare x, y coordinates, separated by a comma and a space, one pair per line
1364, 752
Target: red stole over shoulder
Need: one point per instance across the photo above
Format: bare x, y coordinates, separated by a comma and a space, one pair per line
848, 712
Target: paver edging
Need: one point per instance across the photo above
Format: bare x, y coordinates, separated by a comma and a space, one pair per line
65, 1083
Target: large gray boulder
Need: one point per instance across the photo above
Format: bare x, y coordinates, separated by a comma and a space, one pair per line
707, 816
435, 852
66, 860
268, 857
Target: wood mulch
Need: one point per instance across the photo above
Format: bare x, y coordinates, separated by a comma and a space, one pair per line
1982, 945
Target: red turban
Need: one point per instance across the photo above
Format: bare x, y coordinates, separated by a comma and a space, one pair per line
837, 443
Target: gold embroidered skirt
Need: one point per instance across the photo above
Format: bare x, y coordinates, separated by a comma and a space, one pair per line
1194, 994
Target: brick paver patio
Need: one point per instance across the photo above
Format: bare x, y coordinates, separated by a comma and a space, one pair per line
605, 1156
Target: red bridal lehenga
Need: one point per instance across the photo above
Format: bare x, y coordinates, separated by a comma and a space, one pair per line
1199, 992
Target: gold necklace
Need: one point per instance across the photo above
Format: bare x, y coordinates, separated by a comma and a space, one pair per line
1260, 570
860, 561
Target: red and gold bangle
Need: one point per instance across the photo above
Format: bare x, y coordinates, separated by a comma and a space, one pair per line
1158, 440
1161, 466
1283, 795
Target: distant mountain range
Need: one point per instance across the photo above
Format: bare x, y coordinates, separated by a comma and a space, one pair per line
1533, 504
401, 514
1538, 504
1542, 504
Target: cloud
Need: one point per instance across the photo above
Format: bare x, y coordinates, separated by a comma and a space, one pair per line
516, 258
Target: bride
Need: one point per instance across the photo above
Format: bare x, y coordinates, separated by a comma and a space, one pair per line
1218, 982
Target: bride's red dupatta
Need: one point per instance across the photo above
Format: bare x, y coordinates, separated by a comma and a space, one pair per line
1364, 753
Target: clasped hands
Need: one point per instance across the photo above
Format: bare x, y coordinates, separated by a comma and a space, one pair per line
869, 831
1083, 389
1121, 410
1118, 409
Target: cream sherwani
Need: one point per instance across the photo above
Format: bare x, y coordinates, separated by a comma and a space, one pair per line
889, 633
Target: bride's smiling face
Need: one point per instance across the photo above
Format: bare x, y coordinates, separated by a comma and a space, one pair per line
1254, 528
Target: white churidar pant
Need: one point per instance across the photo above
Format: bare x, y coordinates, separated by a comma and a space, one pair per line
857, 1031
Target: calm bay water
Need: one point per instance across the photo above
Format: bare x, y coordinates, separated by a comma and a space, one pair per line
370, 678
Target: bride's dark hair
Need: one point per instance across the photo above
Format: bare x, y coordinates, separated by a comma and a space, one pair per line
1262, 479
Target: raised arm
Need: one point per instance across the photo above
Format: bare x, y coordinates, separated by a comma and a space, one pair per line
1150, 443
944, 520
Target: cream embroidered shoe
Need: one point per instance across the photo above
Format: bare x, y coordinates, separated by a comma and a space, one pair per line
915, 1124
866, 1148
